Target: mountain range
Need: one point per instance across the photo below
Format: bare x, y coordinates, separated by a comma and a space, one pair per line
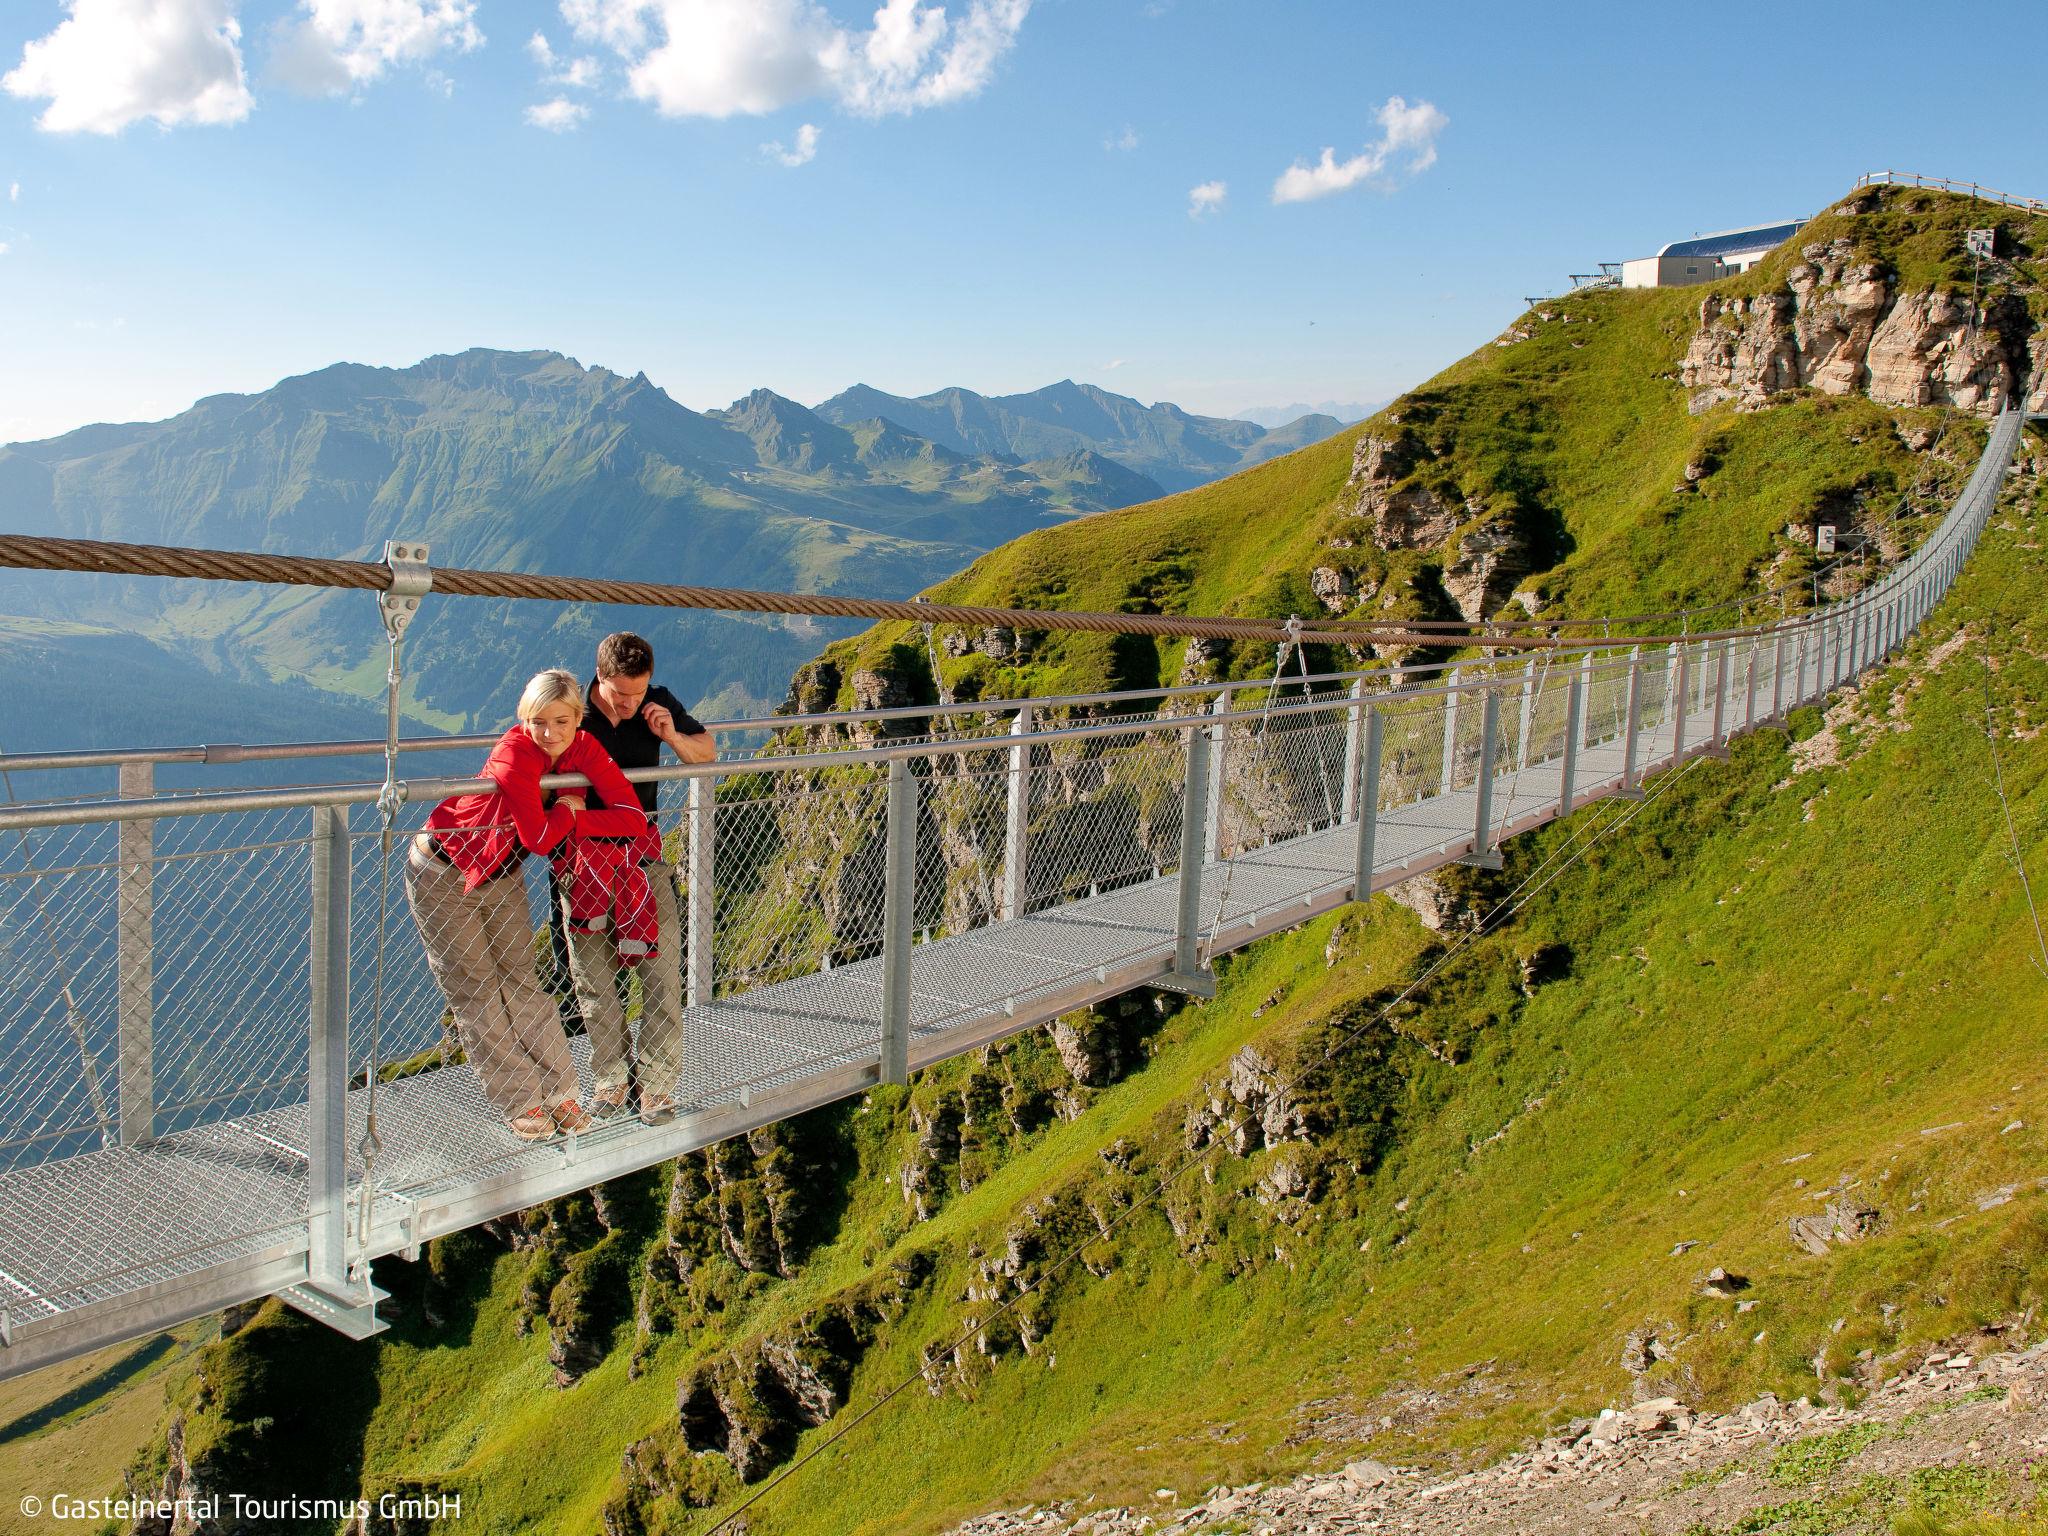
1174, 448
1346, 411
530, 461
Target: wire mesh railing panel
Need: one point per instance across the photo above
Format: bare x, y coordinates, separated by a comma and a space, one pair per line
800, 869
963, 838
59, 1080
231, 918
1105, 812
1411, 750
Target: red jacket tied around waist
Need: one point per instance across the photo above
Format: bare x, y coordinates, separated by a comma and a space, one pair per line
486, 832
608, 890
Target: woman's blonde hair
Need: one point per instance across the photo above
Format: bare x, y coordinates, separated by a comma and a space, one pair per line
554, 686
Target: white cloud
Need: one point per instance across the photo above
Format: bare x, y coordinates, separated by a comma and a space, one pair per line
1112, 366
343, 45
557, 116
804, 152
14, 191
5, 247
115, 62
1127, 140
721, 58
1406, 146
1207, 198
578, 73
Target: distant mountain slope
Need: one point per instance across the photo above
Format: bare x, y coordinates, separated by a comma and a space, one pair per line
1346, 411
1164, 442
523, 461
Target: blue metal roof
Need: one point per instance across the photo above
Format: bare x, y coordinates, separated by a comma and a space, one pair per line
1759, 237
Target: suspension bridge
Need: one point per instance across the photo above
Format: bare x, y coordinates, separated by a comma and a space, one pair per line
207, 1000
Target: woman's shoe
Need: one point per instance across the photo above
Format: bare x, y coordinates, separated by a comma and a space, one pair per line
569, 1117
607, 1102
535, 1125
656, 1109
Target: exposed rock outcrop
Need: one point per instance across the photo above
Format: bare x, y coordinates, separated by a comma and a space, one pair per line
1411, 517
1838, 327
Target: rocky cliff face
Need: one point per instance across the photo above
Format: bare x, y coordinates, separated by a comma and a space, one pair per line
1840, 327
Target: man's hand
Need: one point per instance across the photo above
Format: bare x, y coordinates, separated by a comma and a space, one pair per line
659, 720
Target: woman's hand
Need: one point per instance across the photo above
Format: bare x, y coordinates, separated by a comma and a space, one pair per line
574, 802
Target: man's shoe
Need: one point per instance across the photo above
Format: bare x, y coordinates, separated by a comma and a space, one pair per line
535, 1125
569, 1117
607, 1102
656, 1109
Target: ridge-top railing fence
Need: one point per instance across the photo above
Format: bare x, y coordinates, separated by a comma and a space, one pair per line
188, 1026
1972, 189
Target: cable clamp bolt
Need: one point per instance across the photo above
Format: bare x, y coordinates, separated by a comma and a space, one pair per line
411, 579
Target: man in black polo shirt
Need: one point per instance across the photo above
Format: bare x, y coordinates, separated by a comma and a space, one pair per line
631, 718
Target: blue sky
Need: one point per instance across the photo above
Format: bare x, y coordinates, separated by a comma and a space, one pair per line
208, 195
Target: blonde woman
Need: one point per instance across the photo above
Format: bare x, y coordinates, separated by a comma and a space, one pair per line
462, 883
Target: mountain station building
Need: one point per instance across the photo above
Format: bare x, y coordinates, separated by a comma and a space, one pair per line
1706, 257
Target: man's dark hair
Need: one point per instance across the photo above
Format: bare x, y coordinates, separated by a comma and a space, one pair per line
624, 655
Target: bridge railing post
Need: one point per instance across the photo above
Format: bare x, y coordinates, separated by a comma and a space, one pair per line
327, 1050
1484, 854
135, 960
1574, 710
1679, 691
1778, 675
1717, 741
1585, 700
1528, 719
1368, 802
1187, 932
1450, 732
899, 916
1219, 755
1354, 743
1017, 820
1749, 661
701, 872
1632, 716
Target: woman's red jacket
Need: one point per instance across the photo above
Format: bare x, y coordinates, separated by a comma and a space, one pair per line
485, 832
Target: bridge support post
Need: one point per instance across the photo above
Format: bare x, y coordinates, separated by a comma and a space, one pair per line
1717, 741
1756, 646
1484, 855
1585, 700
1219, 738
1354, 743
1528, 720
1188, 975
1017, 820
1778, 676
899, 917
1450, 733
1574, 711
1368, 803
1680, 694
328, 1294
1631, 722
701, 817
134, 960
